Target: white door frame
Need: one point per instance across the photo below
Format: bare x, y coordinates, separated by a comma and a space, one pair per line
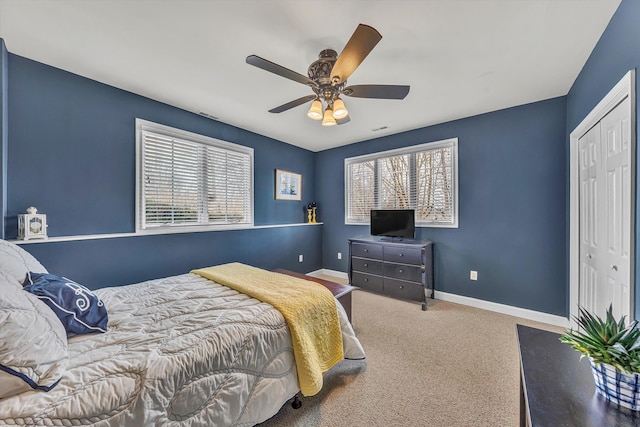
624, 88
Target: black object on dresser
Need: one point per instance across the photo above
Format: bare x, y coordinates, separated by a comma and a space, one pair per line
400, 268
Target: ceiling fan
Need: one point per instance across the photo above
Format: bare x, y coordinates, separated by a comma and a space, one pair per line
328, 78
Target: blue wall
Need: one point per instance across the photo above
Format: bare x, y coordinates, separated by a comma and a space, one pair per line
71, 153
617, 52
119, 261
512, 206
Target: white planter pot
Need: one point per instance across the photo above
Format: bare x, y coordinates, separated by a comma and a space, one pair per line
617, 387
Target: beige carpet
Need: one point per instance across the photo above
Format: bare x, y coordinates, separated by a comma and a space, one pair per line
451, 365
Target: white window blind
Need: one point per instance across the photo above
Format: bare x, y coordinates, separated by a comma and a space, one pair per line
360, 193
422, 177
191, 180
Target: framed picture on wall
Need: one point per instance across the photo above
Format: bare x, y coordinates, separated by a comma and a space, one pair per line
288, 185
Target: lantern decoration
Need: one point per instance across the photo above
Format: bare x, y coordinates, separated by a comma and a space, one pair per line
32, 225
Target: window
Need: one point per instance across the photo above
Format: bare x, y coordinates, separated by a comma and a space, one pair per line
190, 182
422, 177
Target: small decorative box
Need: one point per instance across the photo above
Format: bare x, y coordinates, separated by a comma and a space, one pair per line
32, 225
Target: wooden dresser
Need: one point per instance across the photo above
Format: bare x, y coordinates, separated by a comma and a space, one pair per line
400, 268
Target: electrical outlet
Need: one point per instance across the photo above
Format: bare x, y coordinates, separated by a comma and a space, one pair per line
473, 275
339, 255
300, 258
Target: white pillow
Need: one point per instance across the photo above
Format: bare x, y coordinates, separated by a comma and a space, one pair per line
15, 262
33, 343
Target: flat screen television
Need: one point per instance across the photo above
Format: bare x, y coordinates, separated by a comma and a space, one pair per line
393, 223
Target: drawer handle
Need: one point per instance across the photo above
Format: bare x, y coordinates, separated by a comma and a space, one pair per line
400, 254
400, 271
366, 265
401, 286
366, 250
366, 280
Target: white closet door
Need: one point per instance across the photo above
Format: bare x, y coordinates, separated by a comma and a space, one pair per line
590, 152
616, 145
605, 197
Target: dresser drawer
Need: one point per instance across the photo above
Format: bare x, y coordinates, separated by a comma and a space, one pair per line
403, 255
410, 273
365, 265
404, 290
367, 281
364, 250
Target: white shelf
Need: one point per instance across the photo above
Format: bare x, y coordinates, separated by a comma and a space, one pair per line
151, 233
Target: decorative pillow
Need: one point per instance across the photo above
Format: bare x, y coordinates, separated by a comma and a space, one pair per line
15, 263
33, 343
79, 309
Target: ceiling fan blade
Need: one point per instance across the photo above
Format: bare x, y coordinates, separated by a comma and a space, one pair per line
294, 103
363, 40
274, 68
376, 91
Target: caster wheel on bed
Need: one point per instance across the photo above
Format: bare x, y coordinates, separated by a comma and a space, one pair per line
424, 306
296, 404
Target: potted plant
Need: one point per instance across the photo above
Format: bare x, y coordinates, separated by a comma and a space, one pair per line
614, 352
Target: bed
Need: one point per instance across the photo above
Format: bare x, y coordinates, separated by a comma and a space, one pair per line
178, 351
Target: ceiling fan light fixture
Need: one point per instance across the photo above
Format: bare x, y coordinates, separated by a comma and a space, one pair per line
328, 119
339, 109
315, 111
327, 78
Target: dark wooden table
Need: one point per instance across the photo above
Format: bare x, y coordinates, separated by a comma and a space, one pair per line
340, 291
557, 388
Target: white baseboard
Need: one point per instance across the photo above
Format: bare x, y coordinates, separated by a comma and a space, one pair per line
524, 313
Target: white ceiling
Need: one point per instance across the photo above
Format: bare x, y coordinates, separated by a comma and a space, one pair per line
460, 57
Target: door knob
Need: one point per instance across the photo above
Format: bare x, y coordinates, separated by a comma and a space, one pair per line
589, 256
614, 267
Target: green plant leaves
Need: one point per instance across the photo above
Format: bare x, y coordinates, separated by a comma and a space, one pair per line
606, 341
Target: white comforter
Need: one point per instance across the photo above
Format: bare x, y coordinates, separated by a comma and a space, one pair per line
180, 351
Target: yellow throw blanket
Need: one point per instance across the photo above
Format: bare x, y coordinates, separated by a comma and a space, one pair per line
308, 307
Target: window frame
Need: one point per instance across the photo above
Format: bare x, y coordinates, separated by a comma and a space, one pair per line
171, 132
429, 146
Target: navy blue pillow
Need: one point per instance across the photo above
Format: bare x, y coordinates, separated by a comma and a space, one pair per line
79, 309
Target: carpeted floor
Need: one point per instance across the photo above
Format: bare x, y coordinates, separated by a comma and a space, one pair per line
451, 365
